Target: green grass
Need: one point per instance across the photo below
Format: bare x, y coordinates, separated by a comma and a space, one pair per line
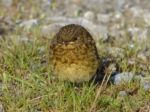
25, 85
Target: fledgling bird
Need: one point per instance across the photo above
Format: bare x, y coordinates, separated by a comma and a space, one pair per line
73, 54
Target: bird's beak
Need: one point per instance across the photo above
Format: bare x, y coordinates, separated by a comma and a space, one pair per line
65, 42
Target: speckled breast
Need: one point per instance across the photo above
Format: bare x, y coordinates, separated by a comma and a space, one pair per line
73, 62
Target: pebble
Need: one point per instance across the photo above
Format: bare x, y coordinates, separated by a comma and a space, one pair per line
146, 17
123, 93
126, 77
98, 32
50, 30
116, 52
1, 108
142, 56
47, 5
141, 80
117, 15
122, 78
89, 15
30, 24
139, 35
136, 11
41, 50
146, 87
120, 4
103, 18
7, 3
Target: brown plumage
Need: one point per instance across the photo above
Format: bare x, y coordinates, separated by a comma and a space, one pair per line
73, 54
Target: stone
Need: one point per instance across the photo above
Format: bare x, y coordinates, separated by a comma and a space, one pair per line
122, 78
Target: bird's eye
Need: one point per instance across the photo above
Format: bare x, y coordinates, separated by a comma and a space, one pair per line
75, 38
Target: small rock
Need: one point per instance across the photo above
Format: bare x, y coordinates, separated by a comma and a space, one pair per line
147, 18
141, 80
136, 11
131, 62
146, 87
117, 15
116, 35
139, 35
17, 22
122, 78
98, 32
47, 5
2, 108
89, 15
50, 31
130, 45
7, 3
123, 93
143, 35
103, 18
116, 52
41, 50
120, 4
133, 30
142, 56
30, 24
80, 21
2, 86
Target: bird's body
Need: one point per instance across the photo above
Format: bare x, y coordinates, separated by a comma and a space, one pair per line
73, 54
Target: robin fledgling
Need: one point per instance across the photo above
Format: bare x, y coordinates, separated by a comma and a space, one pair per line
73, 54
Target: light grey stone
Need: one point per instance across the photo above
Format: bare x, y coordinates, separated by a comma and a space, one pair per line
7, 3
89, 15
122, 78
123, 93
30, 24
2, 108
